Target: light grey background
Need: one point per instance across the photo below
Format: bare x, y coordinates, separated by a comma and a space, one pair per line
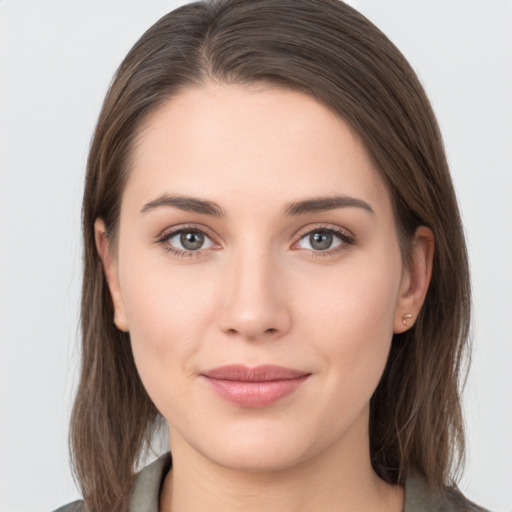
56, 61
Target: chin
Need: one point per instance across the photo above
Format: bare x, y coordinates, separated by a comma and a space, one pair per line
256, 458
259, 448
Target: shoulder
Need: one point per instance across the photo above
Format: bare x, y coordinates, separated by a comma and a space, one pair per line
75, 506
419, 498
146, 488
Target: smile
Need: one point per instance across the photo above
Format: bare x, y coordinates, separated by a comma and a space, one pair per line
254, 387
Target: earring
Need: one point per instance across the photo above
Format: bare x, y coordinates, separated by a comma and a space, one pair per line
406, 317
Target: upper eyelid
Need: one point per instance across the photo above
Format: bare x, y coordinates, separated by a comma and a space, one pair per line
174, 230
300, 233
169, 232
325, 227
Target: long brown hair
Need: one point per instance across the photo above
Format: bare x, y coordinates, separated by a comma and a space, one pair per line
325, 49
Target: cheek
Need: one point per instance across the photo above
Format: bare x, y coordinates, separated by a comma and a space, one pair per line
168, 314
360, 298
351, 318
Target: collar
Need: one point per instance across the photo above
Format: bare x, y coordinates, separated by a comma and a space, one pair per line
148, 486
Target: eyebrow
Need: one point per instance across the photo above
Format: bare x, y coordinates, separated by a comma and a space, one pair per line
296, 208
323, 204
187, 204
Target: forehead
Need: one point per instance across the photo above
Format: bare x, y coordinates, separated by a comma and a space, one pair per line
261, 142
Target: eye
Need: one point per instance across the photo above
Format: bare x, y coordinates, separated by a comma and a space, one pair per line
185, 241
324, 239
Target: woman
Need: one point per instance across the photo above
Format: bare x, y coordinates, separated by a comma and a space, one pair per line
275, 266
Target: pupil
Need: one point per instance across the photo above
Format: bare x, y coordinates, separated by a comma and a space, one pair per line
320, 241
191, 241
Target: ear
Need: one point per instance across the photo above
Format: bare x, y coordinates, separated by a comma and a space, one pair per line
111, 274
415, 280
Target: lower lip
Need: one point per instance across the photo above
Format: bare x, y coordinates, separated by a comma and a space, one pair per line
255, 394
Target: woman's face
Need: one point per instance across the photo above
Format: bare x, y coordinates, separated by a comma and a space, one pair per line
259, 275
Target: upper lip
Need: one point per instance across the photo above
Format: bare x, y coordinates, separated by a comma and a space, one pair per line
262, 373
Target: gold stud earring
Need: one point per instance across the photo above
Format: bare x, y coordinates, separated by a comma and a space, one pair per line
406, 317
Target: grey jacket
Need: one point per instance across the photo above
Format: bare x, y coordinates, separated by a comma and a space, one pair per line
148, 484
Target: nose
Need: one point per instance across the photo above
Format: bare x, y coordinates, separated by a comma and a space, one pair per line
254, 305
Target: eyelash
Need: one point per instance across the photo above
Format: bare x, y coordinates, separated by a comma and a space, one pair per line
347, 241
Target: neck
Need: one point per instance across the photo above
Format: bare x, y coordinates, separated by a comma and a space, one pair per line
340, 479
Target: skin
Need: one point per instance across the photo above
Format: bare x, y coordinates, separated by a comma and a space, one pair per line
258, 292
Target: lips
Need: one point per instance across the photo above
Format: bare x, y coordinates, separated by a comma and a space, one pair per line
254, 387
